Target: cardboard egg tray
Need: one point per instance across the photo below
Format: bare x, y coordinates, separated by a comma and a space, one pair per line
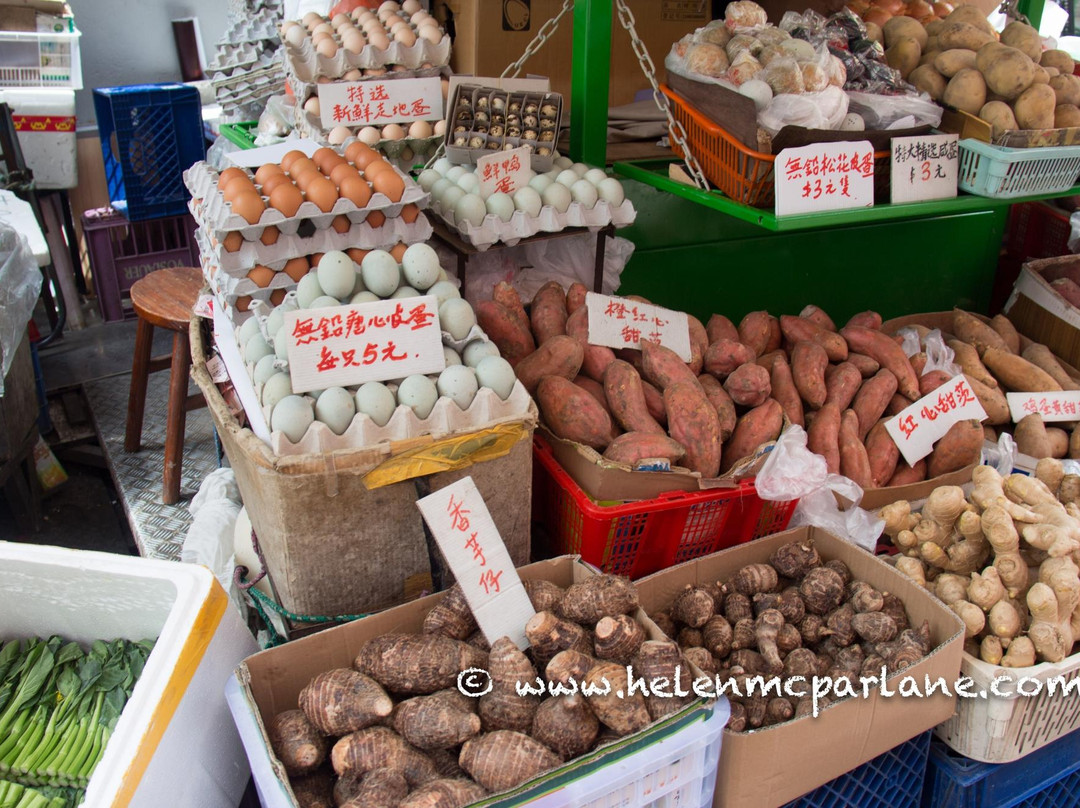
261, 26
494, 230
308, 65
303, 90
228, 57
465, 129
310, 126
241, 85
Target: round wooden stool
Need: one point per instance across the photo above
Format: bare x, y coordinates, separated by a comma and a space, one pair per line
164, 299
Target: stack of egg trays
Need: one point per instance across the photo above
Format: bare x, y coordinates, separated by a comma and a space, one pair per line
308, 65
482, 120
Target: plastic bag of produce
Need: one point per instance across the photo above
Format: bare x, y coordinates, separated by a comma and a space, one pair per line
895, 111
824, 110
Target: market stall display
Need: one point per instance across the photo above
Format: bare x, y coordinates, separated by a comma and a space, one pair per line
1043, 305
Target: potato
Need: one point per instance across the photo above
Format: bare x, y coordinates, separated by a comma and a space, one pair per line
928, 80
933, 27
1066, 115
1024, 38
898, 28
874, 32
1050, 71
904, 55
1008, 71
1035, 108
1066, 88
928, 57
1041, 76
999, 115
951, 62
970, 15
966, 91
962, 35
1058, 59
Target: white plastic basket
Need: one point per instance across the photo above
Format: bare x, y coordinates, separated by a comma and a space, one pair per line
1000, 729
31, 59
1003, 173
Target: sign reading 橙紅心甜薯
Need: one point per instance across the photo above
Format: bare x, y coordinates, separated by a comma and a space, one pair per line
917, 427
923, 167
823, 177
374, 103
618, 322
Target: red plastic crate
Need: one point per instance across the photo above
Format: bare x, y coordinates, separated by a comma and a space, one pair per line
639, 538
1037, 230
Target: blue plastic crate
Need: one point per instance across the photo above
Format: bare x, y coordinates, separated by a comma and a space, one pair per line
891, 780
1047, 778
150, 134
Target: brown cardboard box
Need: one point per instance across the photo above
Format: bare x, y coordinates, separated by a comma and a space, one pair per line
17, 18
488, 36
769, 767
1042, 314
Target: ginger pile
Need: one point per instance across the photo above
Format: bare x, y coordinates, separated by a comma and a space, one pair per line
1006, 559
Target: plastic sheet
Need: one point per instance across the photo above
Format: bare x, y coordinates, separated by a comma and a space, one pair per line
20, 285
895, 111
824, 110
209, 539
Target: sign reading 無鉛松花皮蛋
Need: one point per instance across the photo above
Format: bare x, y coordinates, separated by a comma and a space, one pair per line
823, 177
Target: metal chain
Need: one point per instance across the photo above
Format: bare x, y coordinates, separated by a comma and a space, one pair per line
678, 133
541, 38
1011, 9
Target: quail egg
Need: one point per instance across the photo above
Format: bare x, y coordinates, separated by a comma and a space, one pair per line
292, 415
419, 394
496, 373
335, 408
376, 401
458, 383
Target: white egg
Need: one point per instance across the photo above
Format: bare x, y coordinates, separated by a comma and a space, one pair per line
281, 342
256, 348
443, 291
249, 329
595, 175
336, 409
276, 388
264, 369
451, 356
611, 191
313, 106
501, 205
438, 188
496, 373
557, 196
364, 297
442, 165
420, 129
457, 318
376, 401
307, 290
393, 131
477, 350
528, 200
440, 128
338, 135
410, 6
455, 172
419, 394
581, 168
470, 183
470, 208
853, 122
336, 274
458, 383
427, 179
403, 292
292, 416
540, 182
324, 302
567, 177
420, 265
584, 193
431, 33
369, 135
296, 36
562, 162
380, 273
449, 199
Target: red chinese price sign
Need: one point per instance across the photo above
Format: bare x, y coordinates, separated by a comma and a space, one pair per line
340, 346
621, 323
919, 426
462, 526
374, 103
1056, 406
824, 176
923, 167
504, 171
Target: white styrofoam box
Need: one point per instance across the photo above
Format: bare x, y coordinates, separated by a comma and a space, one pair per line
175, 742
44, 118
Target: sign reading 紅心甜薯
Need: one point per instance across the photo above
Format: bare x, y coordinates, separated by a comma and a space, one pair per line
917, 427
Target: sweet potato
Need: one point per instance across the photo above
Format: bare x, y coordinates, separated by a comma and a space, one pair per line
918, 362
992, 399
575, 297
960, 446
595, 358
755, 331
854, 463
654, 401
931, 381
724, 356
897, 404
626, 399
797, 329
766, 359
906, 475
593, 388
633, 447
818, 316
1042, 357
699, 342
547, 314
720, 327
513, 339
776, 336
1059, 442
974, 331
883, 454
722, 403
507, 296
968, 359
662, 366
867, 365
1003, 325
695, 425
761, 425
823, 436
1074, 443
784, 391
573, 414
1068, 289
872, 399
865, 319
842, 382
748, 385
1031, 437
808, 363
1018, 374
559, 356
888, 354
298, 744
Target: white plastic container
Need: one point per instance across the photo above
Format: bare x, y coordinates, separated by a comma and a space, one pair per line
175, 743
33, 59
44, 119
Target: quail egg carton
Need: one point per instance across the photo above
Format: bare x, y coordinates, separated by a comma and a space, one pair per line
483, 119
254, 28
308, 65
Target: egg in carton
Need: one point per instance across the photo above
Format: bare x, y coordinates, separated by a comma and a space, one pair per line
404, 151
308, 64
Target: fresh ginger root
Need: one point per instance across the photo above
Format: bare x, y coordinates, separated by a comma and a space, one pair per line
950, 588
972, 615
990, 650
1029, 491
964, 555
1069, 491
943, 507
1053, 600
986, 589
898, 517
1052, 539
1021, 654
913, 568
1051, 473
989, 490
1000, 532
1004, 620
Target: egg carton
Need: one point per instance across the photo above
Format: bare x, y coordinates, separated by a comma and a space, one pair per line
308, 65
247, 56
465, 143
240, 85
494, 230
261, 26
304, 90
310, 126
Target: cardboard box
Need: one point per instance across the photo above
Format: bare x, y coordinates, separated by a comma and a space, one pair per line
270, 682
1040, 313
489, 36
771, 766
175, 743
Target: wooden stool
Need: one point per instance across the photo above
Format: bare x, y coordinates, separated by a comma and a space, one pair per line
165, 299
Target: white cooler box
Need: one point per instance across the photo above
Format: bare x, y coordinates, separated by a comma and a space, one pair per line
44, 118
175, 743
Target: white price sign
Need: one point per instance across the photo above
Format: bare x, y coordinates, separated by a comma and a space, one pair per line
374, 103
620, 323
824, 176
504, 172
924, 167
462, 526
918, 427
341, 346
1056, 406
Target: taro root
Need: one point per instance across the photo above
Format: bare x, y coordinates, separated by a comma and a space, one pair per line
618, 638
756, 711
600, 596
567, 666
625, 714
545, 596
657, 660
754, 578
813, 629
744, 634
765, 600
451, 616
767, 629
315, 790
548, 635
382, 748
840, 624
447, 793
894, 607
504, 759
701, 657
790, 604
750, 661
693, 606
478, 640
341, 701
778, 710
850, 659
665, 624
801, 662
795, 559
736, 607
690, 638
566, 724
864, 598
446, 763
502, 707
737, 721
438, 721
415, 664
717, 636
297, 742
841, 569
716, 592
822, 590
788, 639
874, 627
378, 787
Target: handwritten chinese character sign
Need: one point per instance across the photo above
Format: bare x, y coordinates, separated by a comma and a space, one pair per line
824, 176
1056, 406
919, 426
504, 171
374, 103
341, 346
621, 323
924, 167
462, 526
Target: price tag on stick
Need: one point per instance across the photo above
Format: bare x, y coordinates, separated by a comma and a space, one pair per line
923, 168
823, 177
374, 103
919, 426
1056, 406
620, 323
341, 346
462, 526
504, 172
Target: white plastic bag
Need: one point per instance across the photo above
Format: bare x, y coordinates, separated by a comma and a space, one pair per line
1001, 455
939, 356
209, 540
910, 336
895, 111
20, 284
824, 110
792, 471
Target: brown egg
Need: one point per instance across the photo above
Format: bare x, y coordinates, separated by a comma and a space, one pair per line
227, 175
267, 170
326, 158
323, 193
389, 184
273, 181
319, 37
287, 199
305, 177
357, 255
376, 218
270, 235
290, 157
242, 303
353, 40
315, 258
356, 190
249, 207
374, 168
341, 224
406, 37
301, 165
232, 242
409, 213
236, 186
360, 154
296, 268
341, 171
398, 251
261, 276
277, 296
327, 48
